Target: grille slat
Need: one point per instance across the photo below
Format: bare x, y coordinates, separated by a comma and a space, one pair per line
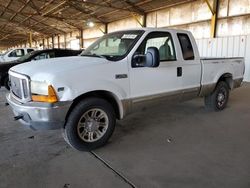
16, 86
20, 86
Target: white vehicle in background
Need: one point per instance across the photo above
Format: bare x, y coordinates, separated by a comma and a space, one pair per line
14, 54
119, 74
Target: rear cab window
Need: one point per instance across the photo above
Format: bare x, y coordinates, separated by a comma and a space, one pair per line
186, 46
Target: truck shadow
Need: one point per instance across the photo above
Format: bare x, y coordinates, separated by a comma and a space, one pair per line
157, 116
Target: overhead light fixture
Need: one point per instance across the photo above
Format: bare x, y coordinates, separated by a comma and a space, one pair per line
90, 24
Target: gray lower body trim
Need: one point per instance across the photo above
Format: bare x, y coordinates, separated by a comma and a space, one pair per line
208, 89
40, 115
237, 82
136, 104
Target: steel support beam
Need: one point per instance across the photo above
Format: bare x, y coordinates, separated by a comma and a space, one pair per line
144, 21
105, 30
48, 43
58, 41
214, 10
43, 44
65, 42
53, 41
30, 39
81, 39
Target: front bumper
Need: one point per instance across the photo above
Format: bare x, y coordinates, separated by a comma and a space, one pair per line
40, 116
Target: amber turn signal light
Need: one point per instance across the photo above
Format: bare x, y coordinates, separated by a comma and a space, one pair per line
50, 98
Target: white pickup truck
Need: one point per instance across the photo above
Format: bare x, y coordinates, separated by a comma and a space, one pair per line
14, 54
117, 75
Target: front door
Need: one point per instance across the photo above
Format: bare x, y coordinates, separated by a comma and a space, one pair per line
160, 83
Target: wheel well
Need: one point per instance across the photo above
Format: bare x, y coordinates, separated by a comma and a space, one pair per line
108, 96
228, 78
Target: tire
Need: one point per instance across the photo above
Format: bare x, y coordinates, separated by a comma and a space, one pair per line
6, 83
218, 100
90, 124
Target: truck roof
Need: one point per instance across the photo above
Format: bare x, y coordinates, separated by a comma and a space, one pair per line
154, 29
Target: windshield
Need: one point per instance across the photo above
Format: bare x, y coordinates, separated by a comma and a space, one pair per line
113, 46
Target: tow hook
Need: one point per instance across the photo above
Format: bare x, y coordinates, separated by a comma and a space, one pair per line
18, 117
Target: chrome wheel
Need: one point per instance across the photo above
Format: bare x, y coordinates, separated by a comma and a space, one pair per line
92, 125
221, 97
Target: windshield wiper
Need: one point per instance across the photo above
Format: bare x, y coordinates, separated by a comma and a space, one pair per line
108, 57
95, 55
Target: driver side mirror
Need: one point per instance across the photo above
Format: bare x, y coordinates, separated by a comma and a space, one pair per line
150, 59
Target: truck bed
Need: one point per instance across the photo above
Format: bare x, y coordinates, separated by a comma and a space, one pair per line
214, 68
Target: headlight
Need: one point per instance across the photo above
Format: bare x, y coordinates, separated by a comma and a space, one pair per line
40, 88
42, 92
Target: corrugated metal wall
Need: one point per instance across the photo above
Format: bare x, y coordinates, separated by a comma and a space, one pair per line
234, 46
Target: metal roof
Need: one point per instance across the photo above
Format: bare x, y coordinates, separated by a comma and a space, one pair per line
45, 18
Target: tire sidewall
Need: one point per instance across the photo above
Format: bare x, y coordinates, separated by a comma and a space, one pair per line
71, 125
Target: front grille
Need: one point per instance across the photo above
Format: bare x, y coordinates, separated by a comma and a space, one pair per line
19, 86
16, 86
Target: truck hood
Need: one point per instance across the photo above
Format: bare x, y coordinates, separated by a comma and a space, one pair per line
54, 66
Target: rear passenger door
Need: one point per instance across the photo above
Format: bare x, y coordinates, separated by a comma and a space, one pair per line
190, 69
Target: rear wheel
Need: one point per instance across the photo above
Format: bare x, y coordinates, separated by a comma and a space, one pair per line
219, 98
90, 124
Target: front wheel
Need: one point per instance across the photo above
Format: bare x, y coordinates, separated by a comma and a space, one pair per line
218, 99
90, 124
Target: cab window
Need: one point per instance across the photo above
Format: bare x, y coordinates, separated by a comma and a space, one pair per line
186, 46
17, 53
30, 50
163, 42
45, 55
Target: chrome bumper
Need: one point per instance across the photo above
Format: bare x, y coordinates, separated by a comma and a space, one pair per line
37, 115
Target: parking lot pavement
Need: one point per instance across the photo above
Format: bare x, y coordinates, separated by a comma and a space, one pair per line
169, 146
42, 159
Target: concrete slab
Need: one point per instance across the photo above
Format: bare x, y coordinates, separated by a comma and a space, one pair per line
41, 159
169, 146
185, 145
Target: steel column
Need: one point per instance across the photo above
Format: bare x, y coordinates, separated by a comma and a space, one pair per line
214, 9
30, 39
81, 39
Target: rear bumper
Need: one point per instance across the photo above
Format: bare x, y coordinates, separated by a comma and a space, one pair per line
40, 116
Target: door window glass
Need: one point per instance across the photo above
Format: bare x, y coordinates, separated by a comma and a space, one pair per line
30, 50
17, 53
45, 55
163, 42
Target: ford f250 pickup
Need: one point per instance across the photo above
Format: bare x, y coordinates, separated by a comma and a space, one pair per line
118, 74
